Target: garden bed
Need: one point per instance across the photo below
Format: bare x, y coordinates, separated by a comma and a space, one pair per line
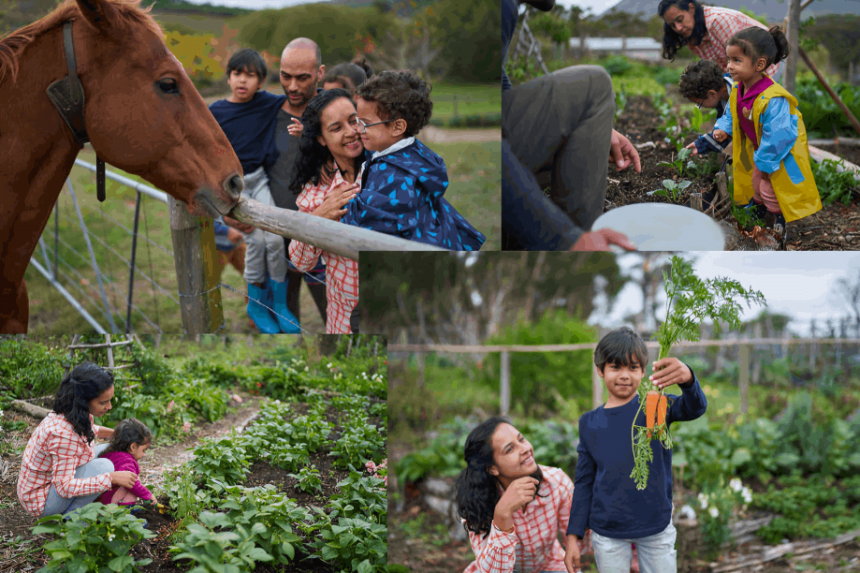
835, 227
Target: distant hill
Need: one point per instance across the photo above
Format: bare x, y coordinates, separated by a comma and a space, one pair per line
190, 8
775, 10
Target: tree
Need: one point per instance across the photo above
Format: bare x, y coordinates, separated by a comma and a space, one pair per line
16, 14
467, 34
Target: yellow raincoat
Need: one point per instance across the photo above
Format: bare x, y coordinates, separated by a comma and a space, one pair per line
793, 182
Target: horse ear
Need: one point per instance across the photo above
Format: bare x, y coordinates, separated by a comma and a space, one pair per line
101, 14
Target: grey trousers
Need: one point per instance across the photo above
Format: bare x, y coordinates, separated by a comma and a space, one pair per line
560, 126
56, 504
265, 250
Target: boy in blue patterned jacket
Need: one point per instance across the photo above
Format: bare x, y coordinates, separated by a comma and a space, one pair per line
403, 181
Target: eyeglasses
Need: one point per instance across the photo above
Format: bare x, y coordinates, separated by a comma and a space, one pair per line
701, 103
362, 127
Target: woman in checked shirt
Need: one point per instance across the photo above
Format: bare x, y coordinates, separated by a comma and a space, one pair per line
512, 508
59, 470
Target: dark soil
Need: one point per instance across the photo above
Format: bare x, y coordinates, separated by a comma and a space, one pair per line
835, 227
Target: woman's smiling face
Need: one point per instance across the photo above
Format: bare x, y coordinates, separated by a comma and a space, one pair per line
101, 405
340, 131
513, 454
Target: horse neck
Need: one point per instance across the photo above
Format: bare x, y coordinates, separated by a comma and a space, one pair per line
38, 151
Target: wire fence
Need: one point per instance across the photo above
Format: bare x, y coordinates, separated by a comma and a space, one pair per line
91, 258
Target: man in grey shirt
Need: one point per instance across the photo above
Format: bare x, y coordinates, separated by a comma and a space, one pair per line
301, 71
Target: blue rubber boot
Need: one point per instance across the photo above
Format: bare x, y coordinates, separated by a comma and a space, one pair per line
258, 313
287, 322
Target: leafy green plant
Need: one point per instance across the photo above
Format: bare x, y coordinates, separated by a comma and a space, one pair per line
717, 504
360, 496
223, 459
267, 515
678, 162
358, 444
219, 552
620, 103
308, 480
835, 185
30, 369
689, 301
187, 498
616, 65
671, 189
360, 545
97, 537
746, 218
288, 456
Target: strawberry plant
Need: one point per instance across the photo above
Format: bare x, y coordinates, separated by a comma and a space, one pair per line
689, 301
95, 538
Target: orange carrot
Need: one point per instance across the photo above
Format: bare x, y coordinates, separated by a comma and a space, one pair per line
662, 405
651, 409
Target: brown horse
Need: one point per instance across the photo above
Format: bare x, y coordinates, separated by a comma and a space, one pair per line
142, 114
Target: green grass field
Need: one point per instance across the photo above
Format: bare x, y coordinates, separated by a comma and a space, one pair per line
473, 169
471, 99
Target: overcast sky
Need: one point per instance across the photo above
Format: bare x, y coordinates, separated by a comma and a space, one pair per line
254, 4
596, 6
799, 284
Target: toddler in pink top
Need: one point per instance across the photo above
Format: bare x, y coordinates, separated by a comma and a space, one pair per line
129, 443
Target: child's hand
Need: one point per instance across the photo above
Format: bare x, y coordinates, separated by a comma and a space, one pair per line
692, 147
670, 371
296, 128
571, 554
244, 227
720, 135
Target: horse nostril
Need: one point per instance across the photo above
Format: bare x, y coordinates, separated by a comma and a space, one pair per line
233, 185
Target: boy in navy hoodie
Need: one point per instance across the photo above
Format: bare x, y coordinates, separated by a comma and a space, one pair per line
403, 181
605, 498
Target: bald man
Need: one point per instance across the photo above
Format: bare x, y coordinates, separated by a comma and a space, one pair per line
300, 72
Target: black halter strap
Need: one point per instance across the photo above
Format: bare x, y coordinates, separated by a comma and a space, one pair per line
67, 95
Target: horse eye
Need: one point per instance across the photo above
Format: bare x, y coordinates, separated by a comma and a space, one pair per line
168, 86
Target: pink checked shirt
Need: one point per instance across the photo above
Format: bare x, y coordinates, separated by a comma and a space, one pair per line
341, 274
722, 24
52, 455
533, 547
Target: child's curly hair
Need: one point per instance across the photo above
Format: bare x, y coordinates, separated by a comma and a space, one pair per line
699, 78
399, 94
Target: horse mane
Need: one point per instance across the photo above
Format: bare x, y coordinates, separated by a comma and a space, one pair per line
14, 43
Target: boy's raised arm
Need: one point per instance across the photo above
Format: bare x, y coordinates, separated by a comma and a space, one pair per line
691, 404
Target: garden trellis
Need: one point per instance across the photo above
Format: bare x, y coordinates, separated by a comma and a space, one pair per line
197, 293
743, 347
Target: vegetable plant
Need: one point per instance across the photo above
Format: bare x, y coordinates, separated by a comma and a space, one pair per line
679, 162
308, 480
364, 546
746, 218
97, 537
834, 185
671, 189
224, 459
689, 301
218, 552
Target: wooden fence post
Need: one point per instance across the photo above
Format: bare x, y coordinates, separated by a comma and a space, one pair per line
196, 263
744, 375
506, 383
792, 32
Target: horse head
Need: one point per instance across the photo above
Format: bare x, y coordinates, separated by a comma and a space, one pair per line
144, 115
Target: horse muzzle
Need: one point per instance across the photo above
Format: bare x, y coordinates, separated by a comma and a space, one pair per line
214, 204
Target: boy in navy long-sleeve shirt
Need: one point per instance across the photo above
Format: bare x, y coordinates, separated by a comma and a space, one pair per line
605, 497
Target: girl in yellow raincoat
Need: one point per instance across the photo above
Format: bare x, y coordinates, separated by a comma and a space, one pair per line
771, 154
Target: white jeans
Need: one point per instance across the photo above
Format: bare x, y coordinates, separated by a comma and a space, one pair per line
656, 552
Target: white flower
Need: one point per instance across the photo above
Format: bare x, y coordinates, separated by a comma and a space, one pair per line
703, 500
329, 365
714, 512
111, 536
736, 484
747, 495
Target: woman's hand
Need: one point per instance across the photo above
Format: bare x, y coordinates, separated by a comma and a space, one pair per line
124, 479
520, 492
720, 135
670, 371
601, 240
296, 128
571, 554
332, 206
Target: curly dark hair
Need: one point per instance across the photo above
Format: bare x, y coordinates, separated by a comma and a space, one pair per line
399, 94
757, 43
86, 382
699, 78
312, 156
619, 346
672, 40
129, 431
477, 490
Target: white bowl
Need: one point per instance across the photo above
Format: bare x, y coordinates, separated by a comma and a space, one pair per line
664, 227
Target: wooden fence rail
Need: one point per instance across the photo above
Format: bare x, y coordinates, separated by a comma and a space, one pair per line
744, 346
